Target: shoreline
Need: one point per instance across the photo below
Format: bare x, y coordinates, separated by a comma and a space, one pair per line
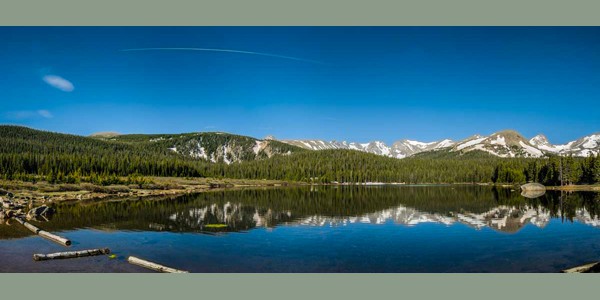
575, 188
46, 193
43, 192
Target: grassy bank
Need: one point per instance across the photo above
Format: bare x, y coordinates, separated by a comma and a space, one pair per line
573, 188
44, 192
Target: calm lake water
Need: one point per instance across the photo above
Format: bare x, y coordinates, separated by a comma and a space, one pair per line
323, 229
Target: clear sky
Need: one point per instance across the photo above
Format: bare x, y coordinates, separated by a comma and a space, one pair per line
334, 83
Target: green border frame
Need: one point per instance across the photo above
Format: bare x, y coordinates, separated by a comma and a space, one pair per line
298, 12
298, 286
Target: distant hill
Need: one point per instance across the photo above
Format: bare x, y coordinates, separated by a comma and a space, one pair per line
106, 134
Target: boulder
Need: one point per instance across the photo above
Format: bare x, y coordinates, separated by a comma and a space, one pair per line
533, 187
532, 190
532, 194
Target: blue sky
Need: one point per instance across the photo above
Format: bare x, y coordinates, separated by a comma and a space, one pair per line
343, 83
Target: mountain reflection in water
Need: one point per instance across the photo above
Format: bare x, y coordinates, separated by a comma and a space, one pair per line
241, 210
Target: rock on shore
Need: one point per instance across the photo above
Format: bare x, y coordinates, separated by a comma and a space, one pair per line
532, 190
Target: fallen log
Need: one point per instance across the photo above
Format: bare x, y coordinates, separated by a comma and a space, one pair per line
44, 234
152, 266
29, 226
71, 254
55, 238
587, 268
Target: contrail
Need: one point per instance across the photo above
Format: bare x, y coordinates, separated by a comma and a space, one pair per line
228, 51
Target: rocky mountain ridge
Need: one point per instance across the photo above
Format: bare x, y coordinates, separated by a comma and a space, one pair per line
506, 143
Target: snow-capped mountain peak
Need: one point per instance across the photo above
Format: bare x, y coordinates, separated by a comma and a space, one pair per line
228, 148
399, 149
585, 146
507, 143
539, 140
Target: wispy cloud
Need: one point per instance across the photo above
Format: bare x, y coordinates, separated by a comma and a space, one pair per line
28, 114
228, 51
329, 119
44, 113
59, 83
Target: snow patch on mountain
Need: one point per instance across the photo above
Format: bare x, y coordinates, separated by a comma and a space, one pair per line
470, 143
531, 150
259, 146
585, 146
591, 141
445, 143
499, 141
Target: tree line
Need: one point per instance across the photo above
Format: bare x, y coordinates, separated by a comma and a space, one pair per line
31, 155
555, 170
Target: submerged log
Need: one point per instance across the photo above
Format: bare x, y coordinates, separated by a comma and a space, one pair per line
45, 234
71, 254
152, 266
587, 268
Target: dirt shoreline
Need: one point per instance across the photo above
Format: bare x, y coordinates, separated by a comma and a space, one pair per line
45, 193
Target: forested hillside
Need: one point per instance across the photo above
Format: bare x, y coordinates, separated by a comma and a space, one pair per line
210, 146
28, 154
25, 151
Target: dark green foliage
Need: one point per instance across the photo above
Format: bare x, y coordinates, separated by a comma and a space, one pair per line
353, 166
548, 170
63, 157
31, 155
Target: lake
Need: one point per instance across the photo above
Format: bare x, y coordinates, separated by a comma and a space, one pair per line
388, 228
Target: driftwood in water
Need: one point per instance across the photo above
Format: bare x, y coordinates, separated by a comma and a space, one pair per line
587, 268
44, 234
152, 266
71, 254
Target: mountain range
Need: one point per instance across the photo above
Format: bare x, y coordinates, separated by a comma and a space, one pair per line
229, 148
507, 143
26, 154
